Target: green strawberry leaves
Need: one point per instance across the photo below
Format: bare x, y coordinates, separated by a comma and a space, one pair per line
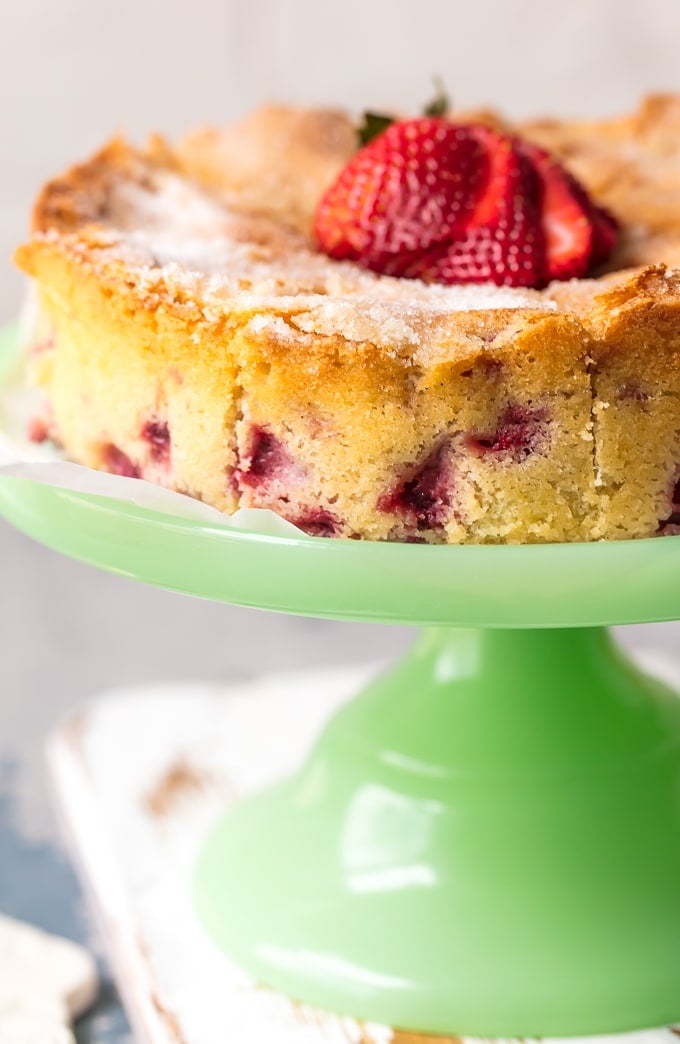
374, 123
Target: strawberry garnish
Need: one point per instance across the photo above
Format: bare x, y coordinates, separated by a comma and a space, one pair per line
460, 203
566, 221
403, 194
605, 234
502, 241
578, 234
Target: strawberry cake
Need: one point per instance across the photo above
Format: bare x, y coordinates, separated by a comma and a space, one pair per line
445, 329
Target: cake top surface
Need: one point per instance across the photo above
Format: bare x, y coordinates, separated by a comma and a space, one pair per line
173, 237
219, 224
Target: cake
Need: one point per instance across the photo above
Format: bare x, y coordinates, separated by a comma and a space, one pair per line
195, 335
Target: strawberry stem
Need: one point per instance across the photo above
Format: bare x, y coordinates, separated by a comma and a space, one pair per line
374, 123
441, 103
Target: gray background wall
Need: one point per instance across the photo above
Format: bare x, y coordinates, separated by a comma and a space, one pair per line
74, 71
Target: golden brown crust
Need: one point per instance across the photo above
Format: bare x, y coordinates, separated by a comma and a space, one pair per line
81, 196
277, 161
623, 302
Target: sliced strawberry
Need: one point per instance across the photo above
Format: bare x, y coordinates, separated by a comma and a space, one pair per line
566, 216
502, 242
450, 203
402, 194
605, 234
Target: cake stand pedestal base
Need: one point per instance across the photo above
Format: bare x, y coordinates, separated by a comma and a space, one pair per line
486, 841
142, 776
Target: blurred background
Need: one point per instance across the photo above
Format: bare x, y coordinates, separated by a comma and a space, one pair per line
73, 72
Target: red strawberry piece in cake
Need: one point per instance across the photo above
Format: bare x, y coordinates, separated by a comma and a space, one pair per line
118, 463
519, 433
42, 347
631, 393
318, 522
38, 429
157, 434
269, 476
671, 525
266, 461
423, 497
42, 427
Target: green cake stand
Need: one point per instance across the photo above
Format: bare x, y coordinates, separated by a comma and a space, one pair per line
487, 840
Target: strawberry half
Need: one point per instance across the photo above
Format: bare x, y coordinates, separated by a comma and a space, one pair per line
406, 192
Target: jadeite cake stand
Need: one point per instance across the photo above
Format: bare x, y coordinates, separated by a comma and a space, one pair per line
487, 840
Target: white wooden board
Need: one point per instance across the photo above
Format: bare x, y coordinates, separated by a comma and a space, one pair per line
141, 775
